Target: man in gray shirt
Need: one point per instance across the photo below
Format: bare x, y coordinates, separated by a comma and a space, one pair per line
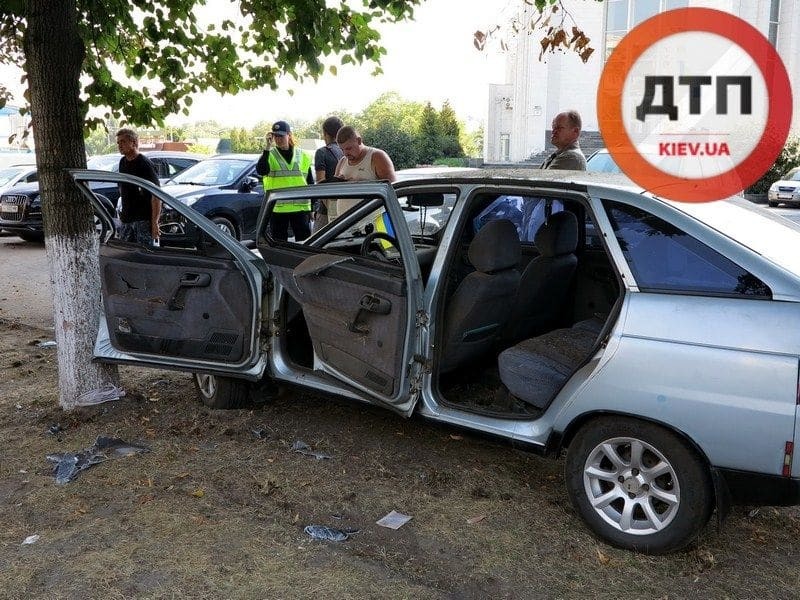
565, 134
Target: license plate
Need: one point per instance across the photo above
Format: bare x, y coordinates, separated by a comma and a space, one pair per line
785, 196
9, 208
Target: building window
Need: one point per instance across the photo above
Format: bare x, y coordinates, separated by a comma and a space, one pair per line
624, 15
774, 12
505, 146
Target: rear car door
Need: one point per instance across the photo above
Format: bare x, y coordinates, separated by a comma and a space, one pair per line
188, 309
358, 284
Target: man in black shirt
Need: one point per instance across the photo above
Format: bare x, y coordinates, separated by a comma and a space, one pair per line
140, 209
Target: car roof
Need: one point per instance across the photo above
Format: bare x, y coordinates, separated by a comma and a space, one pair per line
234, 156
156, 154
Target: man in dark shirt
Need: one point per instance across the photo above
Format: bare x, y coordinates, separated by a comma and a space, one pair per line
140, 209
325, 161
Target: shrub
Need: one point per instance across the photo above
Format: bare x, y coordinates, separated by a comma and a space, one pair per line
787, 159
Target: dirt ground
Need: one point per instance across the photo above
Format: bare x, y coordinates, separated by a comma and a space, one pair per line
218, 511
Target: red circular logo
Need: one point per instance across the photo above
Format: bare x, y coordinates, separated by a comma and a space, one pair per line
659, 30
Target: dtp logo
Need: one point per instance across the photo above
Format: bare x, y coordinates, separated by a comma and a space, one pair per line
694, 105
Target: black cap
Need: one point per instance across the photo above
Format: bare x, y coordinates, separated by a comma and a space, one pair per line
281, 128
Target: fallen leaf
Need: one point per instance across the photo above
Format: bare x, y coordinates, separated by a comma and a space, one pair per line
455, 437
602, 558
198, 493
478, 519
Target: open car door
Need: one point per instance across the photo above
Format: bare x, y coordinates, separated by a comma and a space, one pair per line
358, 285
190, 309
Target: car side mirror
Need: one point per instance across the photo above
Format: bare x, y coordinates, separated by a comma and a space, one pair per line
249, 184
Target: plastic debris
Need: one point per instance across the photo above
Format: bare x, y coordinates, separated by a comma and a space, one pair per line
98, 396
331, 534
48, 344
260, 433
302, 448
31, 539
55, 429
69, 464
394, 520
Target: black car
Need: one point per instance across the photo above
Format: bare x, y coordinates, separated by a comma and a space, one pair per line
223, 188
21, 209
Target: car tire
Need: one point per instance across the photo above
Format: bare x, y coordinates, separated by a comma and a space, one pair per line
221, 392
637, 485
773, 204
226, 226
32, 237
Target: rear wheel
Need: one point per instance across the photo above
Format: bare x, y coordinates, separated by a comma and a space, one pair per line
226, 226
221, 392
637, 485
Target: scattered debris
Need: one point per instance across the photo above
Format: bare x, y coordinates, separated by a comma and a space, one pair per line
302, 448
323, 532
31, 539
48, 344
260, 434
394, 520
69, 464
753, 513
104, 394
478, 519
55, 429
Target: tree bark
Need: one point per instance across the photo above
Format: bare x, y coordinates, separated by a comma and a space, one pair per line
54, 55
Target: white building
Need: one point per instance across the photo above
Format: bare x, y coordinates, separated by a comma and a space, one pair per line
521, 110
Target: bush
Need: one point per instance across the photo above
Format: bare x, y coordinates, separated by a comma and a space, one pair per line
451, 162
787, 159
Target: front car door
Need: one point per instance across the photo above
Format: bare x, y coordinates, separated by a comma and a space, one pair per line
358, 285
196, 308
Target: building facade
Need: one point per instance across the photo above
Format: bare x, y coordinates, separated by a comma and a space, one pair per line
520, 111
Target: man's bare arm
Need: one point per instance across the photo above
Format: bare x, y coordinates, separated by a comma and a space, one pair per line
383, 166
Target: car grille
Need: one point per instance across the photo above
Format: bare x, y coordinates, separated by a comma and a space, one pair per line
12, 207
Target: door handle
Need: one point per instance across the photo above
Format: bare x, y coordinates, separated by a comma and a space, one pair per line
369, 303
188, 280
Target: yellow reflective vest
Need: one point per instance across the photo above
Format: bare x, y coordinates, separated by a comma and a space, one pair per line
283, 175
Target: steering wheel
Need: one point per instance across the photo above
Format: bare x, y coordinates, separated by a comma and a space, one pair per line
371, 237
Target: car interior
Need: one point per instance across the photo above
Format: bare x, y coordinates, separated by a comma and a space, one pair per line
523, 300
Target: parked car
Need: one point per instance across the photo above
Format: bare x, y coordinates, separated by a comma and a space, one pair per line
223, 188
785, 189
15, 175
655, 341
21, 209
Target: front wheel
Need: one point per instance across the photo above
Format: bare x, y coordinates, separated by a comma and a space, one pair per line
772, 204
226, 226
221, 392
637, 485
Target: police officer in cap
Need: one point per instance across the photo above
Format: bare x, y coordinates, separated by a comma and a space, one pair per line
284, 165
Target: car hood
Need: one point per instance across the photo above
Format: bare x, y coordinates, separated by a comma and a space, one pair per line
23, 188
179, 190
787, 183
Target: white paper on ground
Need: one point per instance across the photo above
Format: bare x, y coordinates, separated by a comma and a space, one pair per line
394, 520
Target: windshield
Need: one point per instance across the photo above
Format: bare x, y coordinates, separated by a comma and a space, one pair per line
753, 226
214, 171
7, 175
601, 162
108, 162
794, 176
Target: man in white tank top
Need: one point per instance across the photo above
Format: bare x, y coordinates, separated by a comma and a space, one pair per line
359, 163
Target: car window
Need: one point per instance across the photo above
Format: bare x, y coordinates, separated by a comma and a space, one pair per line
103, 163
213, 172
6, 175
527, 214
601, 162
427, 220
663, 258
794, 176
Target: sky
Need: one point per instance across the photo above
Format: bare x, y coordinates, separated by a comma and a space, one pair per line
429, 59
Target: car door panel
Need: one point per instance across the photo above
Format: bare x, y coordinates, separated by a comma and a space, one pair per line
360, 311
155, 303
193, 309
357, 318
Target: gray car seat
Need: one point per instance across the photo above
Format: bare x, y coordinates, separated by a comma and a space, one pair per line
478, 310
546, 280
535, 369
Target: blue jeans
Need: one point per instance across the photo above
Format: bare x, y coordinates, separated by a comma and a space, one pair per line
136, 231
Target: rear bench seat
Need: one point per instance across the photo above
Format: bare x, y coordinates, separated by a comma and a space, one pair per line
536, 368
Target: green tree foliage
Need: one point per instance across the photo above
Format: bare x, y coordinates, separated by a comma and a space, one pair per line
98, 142
449, 132
245, 141
397, 143
428, 147
391, 108
787, 159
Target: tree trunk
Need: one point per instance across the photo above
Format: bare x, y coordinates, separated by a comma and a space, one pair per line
54, 54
